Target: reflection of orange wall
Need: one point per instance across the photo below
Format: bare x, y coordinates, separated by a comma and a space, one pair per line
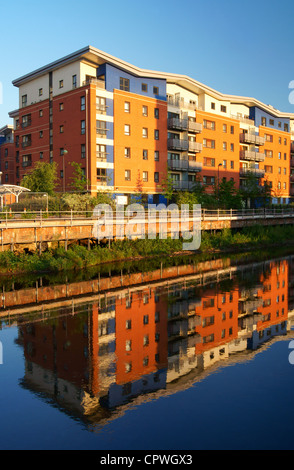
59, 347
136, 164
215, 304
276, 162
141, 305
218, 153
275, 296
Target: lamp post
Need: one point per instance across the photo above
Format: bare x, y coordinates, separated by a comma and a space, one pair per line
220, 164
64, 153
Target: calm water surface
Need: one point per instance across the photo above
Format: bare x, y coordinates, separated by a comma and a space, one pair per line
196, 362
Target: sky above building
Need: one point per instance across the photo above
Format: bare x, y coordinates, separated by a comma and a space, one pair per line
234, 47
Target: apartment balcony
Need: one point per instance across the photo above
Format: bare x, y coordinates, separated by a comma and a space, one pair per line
26, 123
257, 172
292, 147
184, 165
94, 81
177, 124
26, 163
194, 127
292, 178
101, 156
26, 143
194, 146
181, 145
250, 138
180, 103
252, 156
183, 185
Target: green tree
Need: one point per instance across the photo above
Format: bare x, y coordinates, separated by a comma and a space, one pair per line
167, 188
42, 178
79, 182
228, 195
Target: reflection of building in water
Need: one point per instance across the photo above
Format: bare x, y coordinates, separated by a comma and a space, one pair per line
140, 342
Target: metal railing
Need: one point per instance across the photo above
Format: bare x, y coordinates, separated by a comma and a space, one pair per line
85, 217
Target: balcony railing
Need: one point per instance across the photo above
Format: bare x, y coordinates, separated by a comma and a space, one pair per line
195, 127
101, 156
26, 143
178, 144
95, 81
259, 173
184, 165
250, 138
184, 125
183, 185
252, 156
27, 123
27, 163
195, 146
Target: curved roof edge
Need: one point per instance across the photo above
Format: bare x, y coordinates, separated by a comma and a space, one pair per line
97, 56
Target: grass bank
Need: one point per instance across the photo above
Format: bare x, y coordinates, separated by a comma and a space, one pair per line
79, 257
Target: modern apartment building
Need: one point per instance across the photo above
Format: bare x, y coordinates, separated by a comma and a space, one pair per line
129, 128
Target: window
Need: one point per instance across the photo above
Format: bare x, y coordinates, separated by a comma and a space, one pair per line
156, 113
145, 176
144, 87
101, 176
24, 100
223, 108
128, 175
209, 124
40, 91
83, 103
61, 129
208, 161
41, 134
61, 173
272, 122
232, 130
263, 121
127, 129
127, 107
268, 137
41, 155
83, 127
268, 153
156, 177
83, 150
224, 163
207, 143
124, 84
101, 154
156, 134
212, 105
127, 152
156, 155
146, 319
280, 155
145, 110
155, 90
232, 147
101, 127
74, 81
285, 156
128, 324
224, 128
60, 83
286, 127
232, 165
224, 145
61, 107
145, 154
128, 345
145, 133
285, 141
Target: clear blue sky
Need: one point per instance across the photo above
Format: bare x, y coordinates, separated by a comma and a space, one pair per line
242, 48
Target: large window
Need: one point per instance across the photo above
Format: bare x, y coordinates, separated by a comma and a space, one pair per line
124, 84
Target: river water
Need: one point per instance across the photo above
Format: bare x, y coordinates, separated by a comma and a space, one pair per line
200, 360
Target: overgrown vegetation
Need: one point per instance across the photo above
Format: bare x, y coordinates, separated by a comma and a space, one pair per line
79, 257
